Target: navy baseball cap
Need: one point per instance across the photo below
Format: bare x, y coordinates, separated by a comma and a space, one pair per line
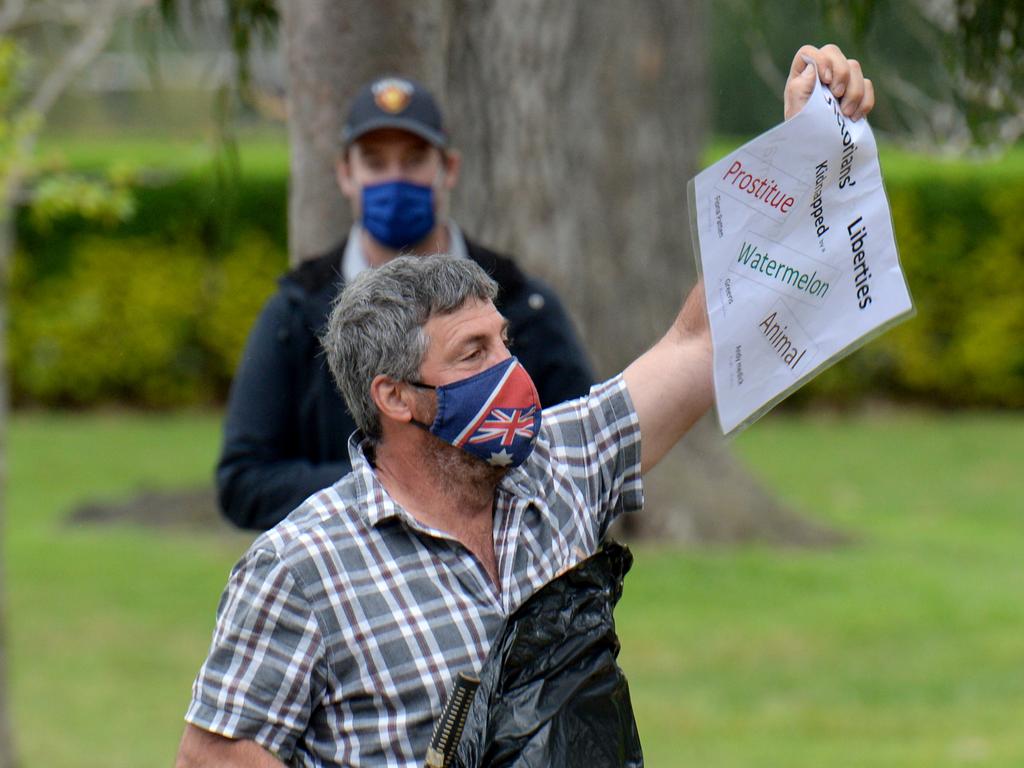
395, 102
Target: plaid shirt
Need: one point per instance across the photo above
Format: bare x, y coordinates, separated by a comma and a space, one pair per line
341, 630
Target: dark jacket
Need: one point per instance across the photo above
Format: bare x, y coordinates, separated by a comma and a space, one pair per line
287, 427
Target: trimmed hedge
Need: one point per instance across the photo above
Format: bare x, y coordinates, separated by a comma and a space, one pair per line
155, 311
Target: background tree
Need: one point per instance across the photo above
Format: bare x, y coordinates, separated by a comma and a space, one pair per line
953, 69
581, 125
30, 85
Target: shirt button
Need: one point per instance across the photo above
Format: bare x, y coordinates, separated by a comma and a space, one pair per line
536, 301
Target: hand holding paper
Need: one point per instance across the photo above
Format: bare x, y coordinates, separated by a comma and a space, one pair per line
770, 225
840, 75
795, 243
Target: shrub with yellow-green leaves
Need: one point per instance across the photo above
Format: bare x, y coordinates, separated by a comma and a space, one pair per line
961, 244
155, 311
136, 321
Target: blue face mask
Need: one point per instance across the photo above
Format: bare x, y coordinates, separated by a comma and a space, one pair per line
398, 213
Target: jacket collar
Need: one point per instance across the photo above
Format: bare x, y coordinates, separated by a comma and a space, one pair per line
324, 273
353, 260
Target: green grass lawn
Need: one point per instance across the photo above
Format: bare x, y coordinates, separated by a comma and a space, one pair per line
258, 155
267, 154
906, 649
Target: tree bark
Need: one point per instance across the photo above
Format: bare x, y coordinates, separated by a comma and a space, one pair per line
581, 124
333, 47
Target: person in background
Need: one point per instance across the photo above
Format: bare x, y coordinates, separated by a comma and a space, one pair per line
286, 427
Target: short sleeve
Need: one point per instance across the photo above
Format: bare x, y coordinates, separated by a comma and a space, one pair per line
597, 438
266, 665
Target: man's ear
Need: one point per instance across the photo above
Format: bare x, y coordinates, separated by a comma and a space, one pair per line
452, 166
343, 173
392, 398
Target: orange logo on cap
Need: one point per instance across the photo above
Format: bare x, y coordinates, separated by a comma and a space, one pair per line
392, 95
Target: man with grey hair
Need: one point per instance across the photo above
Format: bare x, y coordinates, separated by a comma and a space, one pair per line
342, 629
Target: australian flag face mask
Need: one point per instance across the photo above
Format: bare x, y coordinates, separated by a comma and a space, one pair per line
494, 415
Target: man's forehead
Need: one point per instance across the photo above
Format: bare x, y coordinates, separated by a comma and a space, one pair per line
384, 138
474, 317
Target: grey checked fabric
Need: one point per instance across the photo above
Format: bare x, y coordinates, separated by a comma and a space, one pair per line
341, 630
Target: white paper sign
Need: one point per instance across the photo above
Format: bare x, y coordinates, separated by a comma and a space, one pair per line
794, 239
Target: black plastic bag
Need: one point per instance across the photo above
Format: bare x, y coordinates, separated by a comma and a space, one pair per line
551, 692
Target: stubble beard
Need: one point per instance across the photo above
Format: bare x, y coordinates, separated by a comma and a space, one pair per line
460, 473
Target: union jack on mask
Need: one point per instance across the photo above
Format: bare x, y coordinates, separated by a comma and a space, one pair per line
494, 414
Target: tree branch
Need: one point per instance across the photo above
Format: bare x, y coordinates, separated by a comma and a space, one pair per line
93, 39
10, 14
65, 14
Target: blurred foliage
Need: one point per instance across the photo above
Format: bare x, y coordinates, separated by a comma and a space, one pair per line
237, 288
51, 196
108, 200
246, 22
120, 323
136, 320
953, 70
152, 310
960, 63
171, 208
990, 34
16, 124
961, 243
156, 310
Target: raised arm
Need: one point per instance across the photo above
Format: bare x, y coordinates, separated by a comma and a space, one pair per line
671, 384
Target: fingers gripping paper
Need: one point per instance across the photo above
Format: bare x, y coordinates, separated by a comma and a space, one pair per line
794, 238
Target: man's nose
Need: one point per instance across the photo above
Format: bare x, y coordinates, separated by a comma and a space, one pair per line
394, 170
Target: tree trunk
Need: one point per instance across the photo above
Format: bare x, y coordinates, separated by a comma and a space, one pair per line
581, 124
332, 48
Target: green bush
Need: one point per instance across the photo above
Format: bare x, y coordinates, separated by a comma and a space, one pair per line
961, 243
137, 321
237, 288
155, 311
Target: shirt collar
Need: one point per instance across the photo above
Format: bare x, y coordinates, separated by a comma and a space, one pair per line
377, 505
354, 260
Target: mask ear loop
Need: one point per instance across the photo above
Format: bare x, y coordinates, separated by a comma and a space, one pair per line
417, 422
